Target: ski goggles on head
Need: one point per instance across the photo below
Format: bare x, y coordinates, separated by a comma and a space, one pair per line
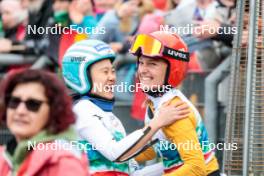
152, 47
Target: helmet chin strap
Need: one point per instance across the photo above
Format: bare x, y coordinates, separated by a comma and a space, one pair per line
104, 103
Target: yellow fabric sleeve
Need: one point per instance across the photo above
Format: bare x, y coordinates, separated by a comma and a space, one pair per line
148, 154
212, 166
182, 133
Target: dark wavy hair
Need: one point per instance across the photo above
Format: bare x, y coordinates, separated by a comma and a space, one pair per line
61, 115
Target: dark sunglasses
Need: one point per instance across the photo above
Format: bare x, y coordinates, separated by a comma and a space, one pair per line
32, 104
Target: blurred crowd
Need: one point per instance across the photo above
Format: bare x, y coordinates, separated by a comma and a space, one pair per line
116, 22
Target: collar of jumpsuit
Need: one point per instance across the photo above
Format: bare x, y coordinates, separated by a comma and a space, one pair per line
105, 105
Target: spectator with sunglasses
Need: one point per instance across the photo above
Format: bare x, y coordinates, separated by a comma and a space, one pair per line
40, 125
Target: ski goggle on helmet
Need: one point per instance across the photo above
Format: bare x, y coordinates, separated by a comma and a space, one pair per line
166, 46
153, 47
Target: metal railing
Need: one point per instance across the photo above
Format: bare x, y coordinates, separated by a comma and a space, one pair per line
245, 120
36, 62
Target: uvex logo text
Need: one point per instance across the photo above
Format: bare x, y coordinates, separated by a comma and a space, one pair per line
179, 55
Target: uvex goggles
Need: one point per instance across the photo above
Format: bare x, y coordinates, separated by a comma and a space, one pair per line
152, 47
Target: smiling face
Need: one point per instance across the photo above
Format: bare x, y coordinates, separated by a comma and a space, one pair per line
22, 122
151, 72
103, 78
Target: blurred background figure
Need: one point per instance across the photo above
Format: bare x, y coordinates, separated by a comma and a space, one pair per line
189, 14
59, 20
61, 12
79, 19
13, 24
102, 6
225, 18
82, 13
40, 11
27, 13
122, 23
33, 116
